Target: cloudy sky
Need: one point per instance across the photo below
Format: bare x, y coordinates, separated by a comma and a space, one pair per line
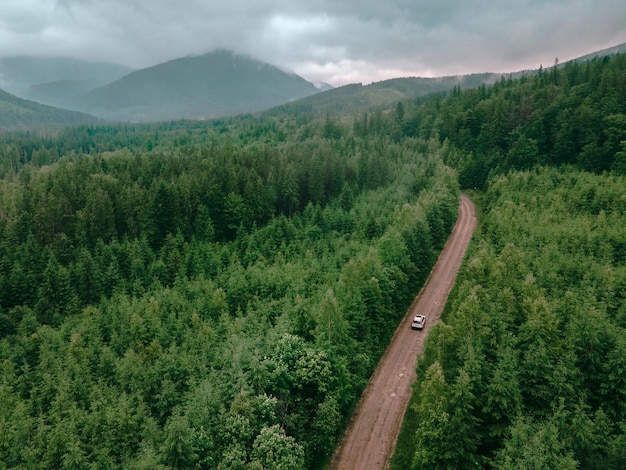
336, 41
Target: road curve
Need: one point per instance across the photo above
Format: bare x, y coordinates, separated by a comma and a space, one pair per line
371, 436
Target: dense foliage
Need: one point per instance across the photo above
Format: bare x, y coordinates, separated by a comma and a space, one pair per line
216, 295
528, 368
204, 295
572, 114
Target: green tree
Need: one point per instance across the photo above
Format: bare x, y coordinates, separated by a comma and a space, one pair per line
178, 448
535, 445
433, 420
56, 296
613, 388
504, 396
331, 326
325, 426
272, 449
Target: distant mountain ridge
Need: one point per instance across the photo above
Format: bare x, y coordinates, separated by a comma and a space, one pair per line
214, 85
58, 92
18, 74
619, 49
217, 84
20, 114
357, 97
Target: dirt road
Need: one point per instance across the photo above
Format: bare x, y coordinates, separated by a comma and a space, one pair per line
370, 438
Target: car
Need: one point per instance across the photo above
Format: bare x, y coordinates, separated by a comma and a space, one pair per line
418, 322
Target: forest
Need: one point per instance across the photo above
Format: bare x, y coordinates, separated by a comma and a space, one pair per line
216, 294
194, 295
528, 367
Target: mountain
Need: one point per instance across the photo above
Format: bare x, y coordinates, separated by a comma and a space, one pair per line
217, 84
356, 98
19, 74
619, 49
56, 93
20, 114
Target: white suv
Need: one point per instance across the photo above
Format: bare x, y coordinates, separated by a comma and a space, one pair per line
418, 322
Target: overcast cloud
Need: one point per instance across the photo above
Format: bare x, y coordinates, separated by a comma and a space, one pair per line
336, 41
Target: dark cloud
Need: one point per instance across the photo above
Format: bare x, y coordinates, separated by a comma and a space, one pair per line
337, 41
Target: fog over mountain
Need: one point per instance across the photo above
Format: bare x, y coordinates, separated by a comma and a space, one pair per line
212, 85
18, 74
218, 84
19, 114
323, 41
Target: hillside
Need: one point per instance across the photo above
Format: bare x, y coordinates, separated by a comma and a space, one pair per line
610, 51
19, 114
573, 114
356, 98
213, 85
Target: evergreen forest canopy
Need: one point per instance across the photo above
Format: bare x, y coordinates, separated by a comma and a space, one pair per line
528, 367
204, 295
216, 295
